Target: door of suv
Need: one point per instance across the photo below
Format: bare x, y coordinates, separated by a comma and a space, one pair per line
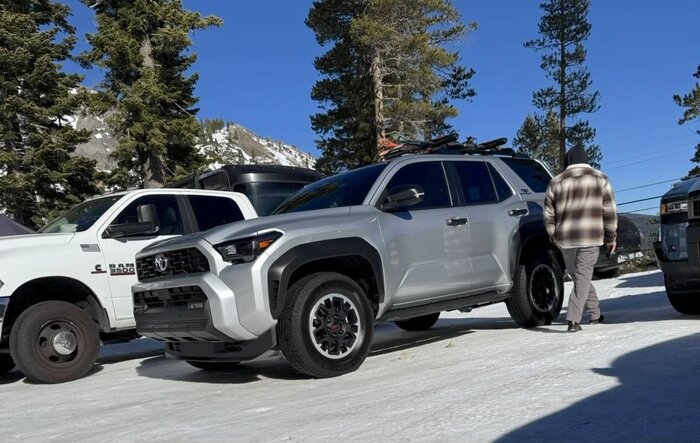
426, 243
493, 211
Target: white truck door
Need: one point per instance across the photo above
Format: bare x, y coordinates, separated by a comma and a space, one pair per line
119, 253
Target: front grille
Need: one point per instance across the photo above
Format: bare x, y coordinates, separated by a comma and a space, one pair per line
171, 297
695, 209
182, 261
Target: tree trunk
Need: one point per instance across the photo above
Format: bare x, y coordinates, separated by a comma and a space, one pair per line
562, 96
146, 51
377, 82
153, 172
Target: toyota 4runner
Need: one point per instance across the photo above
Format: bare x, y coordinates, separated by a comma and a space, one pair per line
400, 241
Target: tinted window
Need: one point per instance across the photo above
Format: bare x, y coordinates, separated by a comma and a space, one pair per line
217, 181
266, 196
345, 189
214, 211
531, 172
503, 191
477, 185
429, 176
167, 209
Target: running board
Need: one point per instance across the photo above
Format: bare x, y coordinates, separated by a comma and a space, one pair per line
470, 301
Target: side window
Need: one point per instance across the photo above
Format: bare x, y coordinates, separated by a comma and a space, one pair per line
168, 213
428, 175
477, 185
531, 172
502, 189
214, 211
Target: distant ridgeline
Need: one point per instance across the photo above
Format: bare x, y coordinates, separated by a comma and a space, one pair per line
222, 142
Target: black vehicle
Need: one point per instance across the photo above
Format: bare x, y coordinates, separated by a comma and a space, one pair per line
677, 249
265, 185
629, 247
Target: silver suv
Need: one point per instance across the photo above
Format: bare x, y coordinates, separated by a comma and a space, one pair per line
396, 241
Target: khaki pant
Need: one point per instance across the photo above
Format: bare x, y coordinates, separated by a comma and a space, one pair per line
580, 262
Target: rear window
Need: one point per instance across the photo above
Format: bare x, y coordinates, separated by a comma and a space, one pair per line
535, 176
267, 196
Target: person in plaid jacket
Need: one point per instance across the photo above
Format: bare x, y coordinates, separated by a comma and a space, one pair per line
580, 215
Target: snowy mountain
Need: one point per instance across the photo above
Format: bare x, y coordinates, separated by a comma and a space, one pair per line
222, 143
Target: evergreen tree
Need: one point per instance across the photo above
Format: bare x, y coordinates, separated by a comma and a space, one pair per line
563, 28
691, 103
143, 47
38, 176
539, 138
414, 77
387, 70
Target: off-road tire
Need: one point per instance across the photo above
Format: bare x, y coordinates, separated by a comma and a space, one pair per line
522, 305
346, 315
422, 323
6, 363
214, 366
35, 334
684, 302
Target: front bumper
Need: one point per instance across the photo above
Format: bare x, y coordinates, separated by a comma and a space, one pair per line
676, 269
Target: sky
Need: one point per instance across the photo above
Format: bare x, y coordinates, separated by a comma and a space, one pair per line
257, 70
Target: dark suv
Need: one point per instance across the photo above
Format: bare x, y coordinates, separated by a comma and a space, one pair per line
678, 247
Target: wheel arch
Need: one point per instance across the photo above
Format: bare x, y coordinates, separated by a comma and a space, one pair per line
353, 257
50, 288
530, 239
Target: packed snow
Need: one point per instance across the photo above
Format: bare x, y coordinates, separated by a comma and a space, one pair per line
474, 377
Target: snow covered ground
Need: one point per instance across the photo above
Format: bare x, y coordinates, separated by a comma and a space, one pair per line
474, 377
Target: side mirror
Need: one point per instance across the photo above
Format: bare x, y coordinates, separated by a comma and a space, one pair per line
402, 197
148, 224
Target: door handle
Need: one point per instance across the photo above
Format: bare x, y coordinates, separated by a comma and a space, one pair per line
517, 212
454, 221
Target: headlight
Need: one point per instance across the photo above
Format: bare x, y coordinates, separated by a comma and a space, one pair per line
244, 250
673, 208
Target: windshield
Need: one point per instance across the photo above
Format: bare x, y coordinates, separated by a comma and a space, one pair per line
81, 217
266, 196
345, 189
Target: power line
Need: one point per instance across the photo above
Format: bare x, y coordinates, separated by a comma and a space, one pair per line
631, 134
640, 200
650, 184
643, 161
641, 210
679, 147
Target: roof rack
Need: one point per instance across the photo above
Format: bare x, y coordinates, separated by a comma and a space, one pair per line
449, 145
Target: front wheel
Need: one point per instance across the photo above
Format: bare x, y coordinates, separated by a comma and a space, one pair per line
684, 302
538, 291
6, 363
214, 366
327, 325
54, 342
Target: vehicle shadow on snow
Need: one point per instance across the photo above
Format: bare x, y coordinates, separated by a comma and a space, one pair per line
649, 307
387, 339
657, 400
640, 281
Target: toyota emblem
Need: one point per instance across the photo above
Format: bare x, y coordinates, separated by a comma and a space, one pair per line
161, 263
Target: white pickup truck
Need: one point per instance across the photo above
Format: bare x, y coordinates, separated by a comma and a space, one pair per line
68, 287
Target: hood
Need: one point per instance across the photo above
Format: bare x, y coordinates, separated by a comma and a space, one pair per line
248, 228
28, 241
681, 190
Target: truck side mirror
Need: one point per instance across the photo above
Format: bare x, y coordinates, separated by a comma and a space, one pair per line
402, 197
147, 224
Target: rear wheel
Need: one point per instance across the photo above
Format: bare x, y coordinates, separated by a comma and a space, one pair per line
54, 342
421, 323
684, 302
538, 291
327, 325
6, 363
214, 366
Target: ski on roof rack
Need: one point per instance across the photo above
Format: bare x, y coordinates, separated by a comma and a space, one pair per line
449, 145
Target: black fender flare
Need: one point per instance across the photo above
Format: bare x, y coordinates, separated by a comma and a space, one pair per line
283, 268
528, 231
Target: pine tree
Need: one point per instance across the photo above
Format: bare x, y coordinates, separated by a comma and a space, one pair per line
143, 47
691, 103
539, 138
386, 70
38, 176
563, 28
414, 77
